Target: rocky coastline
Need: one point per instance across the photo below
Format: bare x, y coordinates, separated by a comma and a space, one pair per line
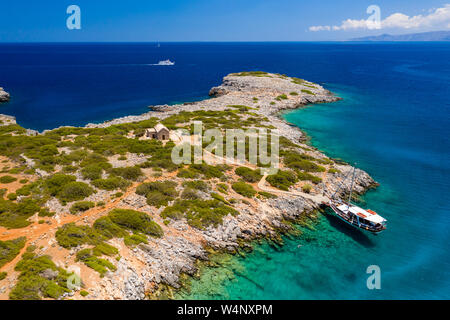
152, 270
4, 96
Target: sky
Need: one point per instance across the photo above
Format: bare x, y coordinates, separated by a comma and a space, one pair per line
217, 20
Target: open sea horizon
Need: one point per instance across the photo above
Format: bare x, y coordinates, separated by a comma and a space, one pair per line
393, 122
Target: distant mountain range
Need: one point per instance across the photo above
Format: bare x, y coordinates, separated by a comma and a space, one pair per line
423, 36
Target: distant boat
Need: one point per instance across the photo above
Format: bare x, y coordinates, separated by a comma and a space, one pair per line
158, 45
165, 63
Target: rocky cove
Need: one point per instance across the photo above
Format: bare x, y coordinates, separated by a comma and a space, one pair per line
152, 270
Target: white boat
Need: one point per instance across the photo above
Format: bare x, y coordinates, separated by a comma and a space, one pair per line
355, 216
166, 63
358, 217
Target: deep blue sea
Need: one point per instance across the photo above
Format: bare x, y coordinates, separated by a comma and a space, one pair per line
394, 122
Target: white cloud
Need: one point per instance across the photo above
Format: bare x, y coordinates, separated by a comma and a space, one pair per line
437, 18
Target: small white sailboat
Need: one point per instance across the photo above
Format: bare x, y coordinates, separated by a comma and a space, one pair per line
355, 216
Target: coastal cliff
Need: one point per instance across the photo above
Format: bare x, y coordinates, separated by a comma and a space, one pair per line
253, 207
4, 96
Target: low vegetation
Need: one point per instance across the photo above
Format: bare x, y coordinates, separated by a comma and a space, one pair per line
39, 278
199, 213
248, 174
244, 189
7, 179
282, 180
10, 249
158, 193
81, 206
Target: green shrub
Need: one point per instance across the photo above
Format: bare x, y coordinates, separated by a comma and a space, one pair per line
158, 193
190, 194
7, 179
267, 195
199, 213
295, 160
74, 191
23, 181
71, 235
281, 97
84, 293
32, 285
55, 183
111, 183
10, 249
222, 187
282, 179
104, 249
306, 166
3, 275
100, 265
307, 176
306, 188
244, 189
14, 215
12, 196
188, 174
293, 93
69, 169
208, 171
197, 185
333, 170
248, 174
308, 91
135, 239
136, 221
81, 206
92, 172
219, 197
44, 212
128, 173
109, 229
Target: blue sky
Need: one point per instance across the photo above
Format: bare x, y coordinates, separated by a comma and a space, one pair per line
215, 20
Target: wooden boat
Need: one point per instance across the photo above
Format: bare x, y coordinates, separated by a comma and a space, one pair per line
355, 216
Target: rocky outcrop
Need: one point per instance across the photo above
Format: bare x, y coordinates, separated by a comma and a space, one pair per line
4, 96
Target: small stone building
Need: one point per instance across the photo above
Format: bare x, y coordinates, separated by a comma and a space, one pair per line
159, 132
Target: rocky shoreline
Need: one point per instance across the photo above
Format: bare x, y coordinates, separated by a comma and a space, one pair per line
4, 96
151, 267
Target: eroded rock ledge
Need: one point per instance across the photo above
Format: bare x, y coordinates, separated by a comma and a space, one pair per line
4, 96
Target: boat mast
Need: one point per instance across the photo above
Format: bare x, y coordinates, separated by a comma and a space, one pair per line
351, 186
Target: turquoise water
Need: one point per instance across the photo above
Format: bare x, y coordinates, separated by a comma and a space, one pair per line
394, 126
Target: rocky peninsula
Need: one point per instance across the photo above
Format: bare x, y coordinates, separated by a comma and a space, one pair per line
197, 210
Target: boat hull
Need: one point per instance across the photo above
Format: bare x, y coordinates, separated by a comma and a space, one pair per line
354, 223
